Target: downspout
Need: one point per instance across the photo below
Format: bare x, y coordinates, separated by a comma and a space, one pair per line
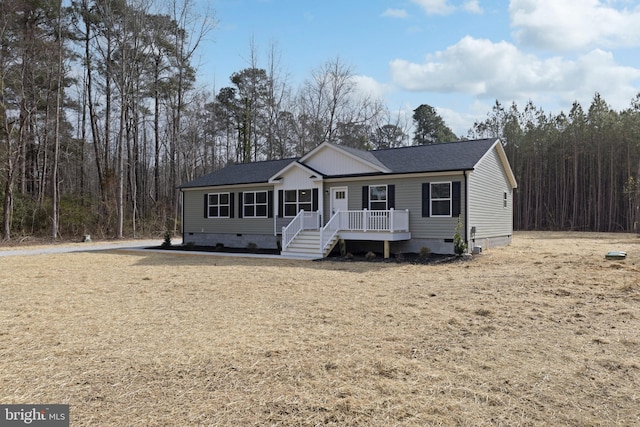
466, 209
182, 219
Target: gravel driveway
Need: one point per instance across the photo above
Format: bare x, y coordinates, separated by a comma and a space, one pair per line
82, 247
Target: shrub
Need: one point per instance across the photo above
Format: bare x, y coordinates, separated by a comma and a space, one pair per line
370, 256
425, 252
167, 239
252, 246
459, 246
400, 257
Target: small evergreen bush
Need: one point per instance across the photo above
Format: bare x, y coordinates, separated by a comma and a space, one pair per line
425, 252
459, 246
167, 239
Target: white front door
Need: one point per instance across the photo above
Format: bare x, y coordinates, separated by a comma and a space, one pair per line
339, 199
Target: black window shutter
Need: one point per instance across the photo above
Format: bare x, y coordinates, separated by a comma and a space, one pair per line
240, 205
391, 196
206, 205
365, 197
455, 198
280, 203
314, 200
270, 204
231, 204
426, 199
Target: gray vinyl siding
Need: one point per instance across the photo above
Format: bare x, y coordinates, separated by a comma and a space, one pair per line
195, 222
487, 185
408, 195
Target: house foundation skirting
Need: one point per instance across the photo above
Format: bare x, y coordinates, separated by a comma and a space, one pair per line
231, 240
491, 242
437, 246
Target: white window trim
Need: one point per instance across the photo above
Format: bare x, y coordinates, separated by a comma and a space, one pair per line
386, 197
297, 202
432, 199
209, 205
255, 204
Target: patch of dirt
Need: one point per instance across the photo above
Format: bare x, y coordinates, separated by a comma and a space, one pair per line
220, 249
400, 258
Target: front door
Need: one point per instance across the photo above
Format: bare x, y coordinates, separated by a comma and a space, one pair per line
339, 199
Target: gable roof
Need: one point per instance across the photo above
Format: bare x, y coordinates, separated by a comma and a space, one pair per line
445, 157
366, 157
241, 173
450, 156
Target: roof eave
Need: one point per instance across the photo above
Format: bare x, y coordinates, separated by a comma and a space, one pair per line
275, 179
502, 154
374, 174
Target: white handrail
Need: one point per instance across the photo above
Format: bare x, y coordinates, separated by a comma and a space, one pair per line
292, 229
328, 232
302, 221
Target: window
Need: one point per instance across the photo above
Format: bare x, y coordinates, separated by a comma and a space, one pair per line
297, 200
440, 199
218, 205
254, 204
341, 195
378, 197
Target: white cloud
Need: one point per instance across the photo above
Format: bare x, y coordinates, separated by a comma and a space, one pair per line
563, 25
473, 6
458, 122
395, 13
444, 7
435, 7
369, 87
483, 69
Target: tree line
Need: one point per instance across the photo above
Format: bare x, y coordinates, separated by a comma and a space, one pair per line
576, 171
101, 118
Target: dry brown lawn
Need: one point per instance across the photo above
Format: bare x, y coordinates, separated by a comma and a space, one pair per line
544, 332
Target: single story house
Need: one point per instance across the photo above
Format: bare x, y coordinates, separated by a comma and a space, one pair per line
392, 200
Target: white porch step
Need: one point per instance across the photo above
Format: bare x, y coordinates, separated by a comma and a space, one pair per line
306, 245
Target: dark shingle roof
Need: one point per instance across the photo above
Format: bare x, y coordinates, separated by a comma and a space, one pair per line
364, 155
451, 156
242, 173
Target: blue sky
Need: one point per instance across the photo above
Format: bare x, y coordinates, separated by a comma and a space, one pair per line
458, 56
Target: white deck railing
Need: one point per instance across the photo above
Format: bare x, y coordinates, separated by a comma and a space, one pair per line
365, 221
302, 221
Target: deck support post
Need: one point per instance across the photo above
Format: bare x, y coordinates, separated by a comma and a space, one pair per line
386, 249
